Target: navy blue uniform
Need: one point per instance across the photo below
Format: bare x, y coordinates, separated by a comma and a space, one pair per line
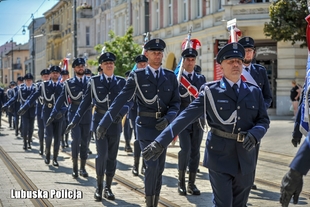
259, 74
2, 101
40, 121
161, 96
190, 138
72, 94
301, 161
9, 94
50, 91
14, 108
225, 157
102, 94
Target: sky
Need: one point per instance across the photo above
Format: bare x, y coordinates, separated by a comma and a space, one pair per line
14, 14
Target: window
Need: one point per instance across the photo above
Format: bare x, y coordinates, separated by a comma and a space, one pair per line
185, 10
87, 36
18, 60
198, 8
157, 16
170, 13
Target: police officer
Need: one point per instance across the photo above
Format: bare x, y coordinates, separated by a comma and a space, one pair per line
64, 137
45, 76
190, 138
158, 102
197, 69
9, 94
27, 120
2, 101
292, 181
72, 93
258, 72
103, 89
15, 107
238, 119
50, 91
99, 70
88, 72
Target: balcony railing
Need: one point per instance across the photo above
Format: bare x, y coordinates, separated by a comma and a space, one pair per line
17, 66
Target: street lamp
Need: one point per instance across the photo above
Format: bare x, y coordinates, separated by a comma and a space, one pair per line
12, 72
33, 51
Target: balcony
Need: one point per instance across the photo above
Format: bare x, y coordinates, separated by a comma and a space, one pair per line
85, 13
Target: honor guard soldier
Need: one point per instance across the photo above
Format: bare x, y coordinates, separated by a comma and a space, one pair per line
72, 94
99, 70
292, 181
45, 76
258, 72
10, 94
237, 116
190, 138
16, 106
64, 137
50, 91
102, 90
88, 72
157, 96
2, 101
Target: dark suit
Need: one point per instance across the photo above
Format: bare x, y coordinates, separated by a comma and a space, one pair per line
9, 95
190, 138
50, 94
231, 167
102, 94
2, 101
40, 121
74, 90
167, 103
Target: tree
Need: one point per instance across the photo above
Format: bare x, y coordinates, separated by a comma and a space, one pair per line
287, 21
124, 48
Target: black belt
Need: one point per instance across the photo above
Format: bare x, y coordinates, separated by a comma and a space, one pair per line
76, 102
238, 137
100, 111
156, 115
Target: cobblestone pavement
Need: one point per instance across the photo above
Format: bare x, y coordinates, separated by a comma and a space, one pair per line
276, 152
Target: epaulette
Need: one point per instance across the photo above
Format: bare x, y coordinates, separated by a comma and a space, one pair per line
259, 66
139, 70
167, 70
119, 77
212, 82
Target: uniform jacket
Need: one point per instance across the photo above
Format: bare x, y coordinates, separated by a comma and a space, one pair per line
144, 86
47, 91
301, 161
223, 154
197, 81
105, 96
259, 74
69, 96
20, 96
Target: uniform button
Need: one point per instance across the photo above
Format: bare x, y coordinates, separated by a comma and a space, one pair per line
145, 90
238, 117
239, 129
109, 92
253, 107
221, 108
211, 147
158, 90
140, 122
238, 107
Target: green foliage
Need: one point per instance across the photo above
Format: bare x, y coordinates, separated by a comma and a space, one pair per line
124, 48
287, 21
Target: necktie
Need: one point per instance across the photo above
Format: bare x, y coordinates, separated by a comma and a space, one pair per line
235, 88
109, 82
247, 69
157, 75
55, 84
81, 80
189, 77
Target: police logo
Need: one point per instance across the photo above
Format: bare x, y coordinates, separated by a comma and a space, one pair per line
235, 46
108, 54
247, 39
157, 41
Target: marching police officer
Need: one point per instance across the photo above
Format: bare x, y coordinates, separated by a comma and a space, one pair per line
103, 89
258, 72
238, 119
190, 138
2, 101
16, 106
64, 137
292, 181
72, 93
158, 102
10, 94
45, 76
50, 91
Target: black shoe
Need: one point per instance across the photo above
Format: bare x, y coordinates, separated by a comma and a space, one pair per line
29, 146
83, 173
108, 194
128, 149
24, 147
98, 194
89, 151
66, 144
135, 170
75, 174
40, 152
142, 170
55, 163
47, 161
254, 187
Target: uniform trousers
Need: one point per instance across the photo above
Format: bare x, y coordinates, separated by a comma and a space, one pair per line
230, 191
190, 141
107, 149
28, 126
40, 123
16, 123
79, 144
127, 130
154, 169
53, 131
